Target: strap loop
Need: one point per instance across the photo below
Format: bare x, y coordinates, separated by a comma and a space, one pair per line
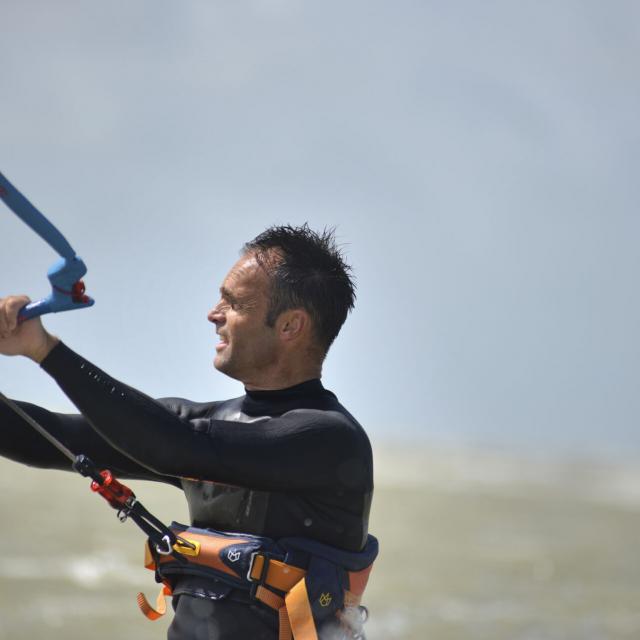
161, 604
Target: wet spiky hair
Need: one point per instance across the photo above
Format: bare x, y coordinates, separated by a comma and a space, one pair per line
308, 271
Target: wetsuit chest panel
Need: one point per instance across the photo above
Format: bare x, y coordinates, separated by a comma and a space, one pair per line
222, 506
225, 507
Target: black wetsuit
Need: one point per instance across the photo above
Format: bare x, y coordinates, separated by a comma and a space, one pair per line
291, 462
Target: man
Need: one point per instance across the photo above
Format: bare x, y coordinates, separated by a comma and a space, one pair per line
286, 459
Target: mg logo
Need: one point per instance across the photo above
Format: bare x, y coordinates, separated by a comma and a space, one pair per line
325, 599
233, 556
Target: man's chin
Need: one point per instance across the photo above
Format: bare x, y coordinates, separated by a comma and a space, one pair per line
224, 366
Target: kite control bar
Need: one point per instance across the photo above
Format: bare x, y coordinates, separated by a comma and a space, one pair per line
67, 288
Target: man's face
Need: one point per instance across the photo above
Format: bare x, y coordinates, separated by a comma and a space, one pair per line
247, 345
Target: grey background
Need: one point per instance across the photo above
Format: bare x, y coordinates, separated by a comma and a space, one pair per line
479, 161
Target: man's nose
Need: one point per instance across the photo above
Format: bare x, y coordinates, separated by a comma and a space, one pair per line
216, 315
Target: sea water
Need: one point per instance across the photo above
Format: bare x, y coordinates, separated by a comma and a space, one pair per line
474, 545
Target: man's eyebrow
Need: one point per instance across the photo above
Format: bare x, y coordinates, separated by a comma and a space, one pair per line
227, 295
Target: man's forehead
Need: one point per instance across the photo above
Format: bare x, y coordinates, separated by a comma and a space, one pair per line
244, 277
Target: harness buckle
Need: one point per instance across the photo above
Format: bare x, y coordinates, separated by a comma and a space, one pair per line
260, 581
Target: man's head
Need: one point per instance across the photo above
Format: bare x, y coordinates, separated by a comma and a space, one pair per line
283, 303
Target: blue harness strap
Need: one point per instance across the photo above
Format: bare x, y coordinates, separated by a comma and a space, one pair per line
67, 288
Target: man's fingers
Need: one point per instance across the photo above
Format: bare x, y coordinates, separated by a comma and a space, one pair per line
9, 309
4, 320
15, 304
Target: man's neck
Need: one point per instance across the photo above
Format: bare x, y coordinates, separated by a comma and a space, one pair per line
283, 379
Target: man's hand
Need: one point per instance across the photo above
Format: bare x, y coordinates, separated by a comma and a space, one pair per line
28, 338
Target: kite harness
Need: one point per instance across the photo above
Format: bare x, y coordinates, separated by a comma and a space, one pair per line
308, 583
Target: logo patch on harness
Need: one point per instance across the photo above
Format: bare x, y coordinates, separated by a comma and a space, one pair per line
233, 556
325, 599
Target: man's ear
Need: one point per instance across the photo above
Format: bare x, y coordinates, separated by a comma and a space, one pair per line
293, 324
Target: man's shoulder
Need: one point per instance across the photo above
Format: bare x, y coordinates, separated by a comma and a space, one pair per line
189, 409
332, 419
334, 414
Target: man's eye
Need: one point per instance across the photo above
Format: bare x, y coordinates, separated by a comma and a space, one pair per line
223, 306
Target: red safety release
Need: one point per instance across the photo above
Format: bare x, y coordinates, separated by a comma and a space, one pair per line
77, 292
114, 492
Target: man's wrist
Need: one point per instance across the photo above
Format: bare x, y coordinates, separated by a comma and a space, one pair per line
43, 350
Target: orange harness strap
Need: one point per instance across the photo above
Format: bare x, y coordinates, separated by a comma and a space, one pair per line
285, 626
276, 602
279, 576
294, 612
299, 610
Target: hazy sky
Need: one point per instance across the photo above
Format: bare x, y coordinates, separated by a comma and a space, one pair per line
479, 159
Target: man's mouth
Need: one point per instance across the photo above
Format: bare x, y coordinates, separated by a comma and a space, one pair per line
222, 344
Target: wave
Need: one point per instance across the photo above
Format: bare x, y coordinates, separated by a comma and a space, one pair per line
477, 470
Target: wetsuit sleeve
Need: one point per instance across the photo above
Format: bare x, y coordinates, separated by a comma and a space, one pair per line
21, 443
302, 450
